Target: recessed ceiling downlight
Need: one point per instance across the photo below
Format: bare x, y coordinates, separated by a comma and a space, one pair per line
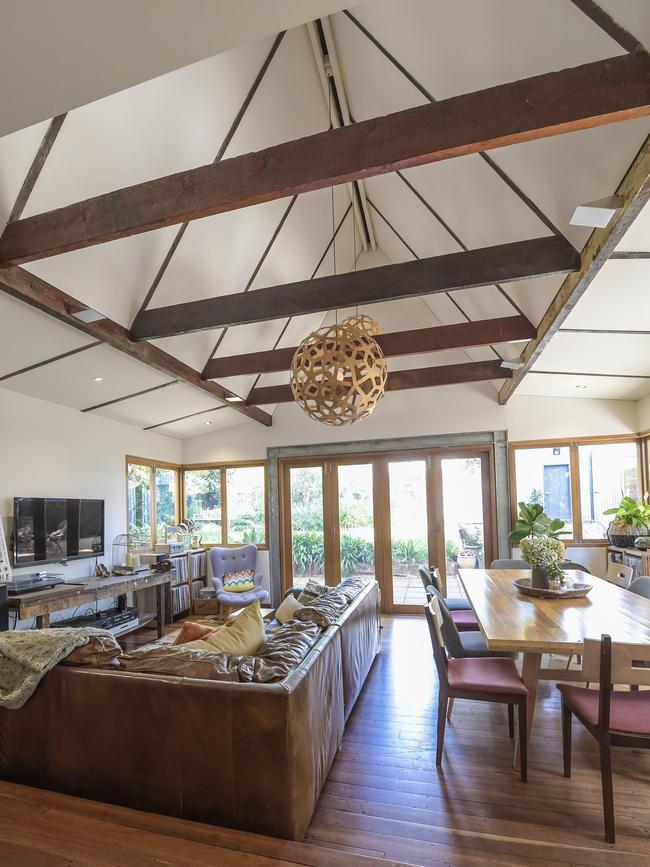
98, 378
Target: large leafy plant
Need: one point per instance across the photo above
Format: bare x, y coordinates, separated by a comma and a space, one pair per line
631, 512
532, 521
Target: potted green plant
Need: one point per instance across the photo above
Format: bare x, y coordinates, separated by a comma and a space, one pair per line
630, 520
532, 521
538, 537
546, 555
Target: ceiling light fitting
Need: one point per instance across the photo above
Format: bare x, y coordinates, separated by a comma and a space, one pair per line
511, 365
88, 315
234, 398
98, 378
596, 214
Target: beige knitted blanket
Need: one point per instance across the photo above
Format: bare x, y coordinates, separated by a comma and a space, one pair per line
27, 655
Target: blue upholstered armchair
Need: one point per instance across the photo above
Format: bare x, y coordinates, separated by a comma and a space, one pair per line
226, 560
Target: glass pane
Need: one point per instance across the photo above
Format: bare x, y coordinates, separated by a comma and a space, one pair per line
203, 503
408, 525
166, 499
356, 520
307, 537
608, 472
245, 505
543, 476
139, 501
462, 503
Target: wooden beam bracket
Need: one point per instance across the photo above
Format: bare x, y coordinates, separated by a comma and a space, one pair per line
413, 342
499, 264
586, 96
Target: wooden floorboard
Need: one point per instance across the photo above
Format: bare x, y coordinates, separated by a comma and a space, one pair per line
384, 801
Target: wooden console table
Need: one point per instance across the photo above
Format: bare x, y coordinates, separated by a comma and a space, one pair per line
41, 603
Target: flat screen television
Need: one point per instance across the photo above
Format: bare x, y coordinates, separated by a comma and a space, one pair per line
53, 529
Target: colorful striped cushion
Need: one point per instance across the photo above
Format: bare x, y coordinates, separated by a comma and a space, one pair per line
239, 582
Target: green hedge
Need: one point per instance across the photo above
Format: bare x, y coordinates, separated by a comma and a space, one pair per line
356, 554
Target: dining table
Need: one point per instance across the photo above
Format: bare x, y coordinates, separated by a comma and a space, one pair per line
516, 623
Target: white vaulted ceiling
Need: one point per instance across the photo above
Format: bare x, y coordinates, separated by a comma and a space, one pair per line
179, 120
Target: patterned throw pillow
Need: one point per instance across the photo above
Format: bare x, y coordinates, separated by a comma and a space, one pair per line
311, 591
239, 582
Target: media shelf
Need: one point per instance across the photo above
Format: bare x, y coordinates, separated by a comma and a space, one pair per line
190, 568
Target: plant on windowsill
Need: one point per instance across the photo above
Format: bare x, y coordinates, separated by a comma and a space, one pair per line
630, 520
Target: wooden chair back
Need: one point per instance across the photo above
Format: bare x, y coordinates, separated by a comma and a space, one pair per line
435, 578
620, 574
434, 621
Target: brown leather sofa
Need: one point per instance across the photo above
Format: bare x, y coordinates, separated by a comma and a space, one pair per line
242, 755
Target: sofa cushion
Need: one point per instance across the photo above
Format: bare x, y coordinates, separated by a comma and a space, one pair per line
101, 649
182, 661
191, 631
351, 587
242, 637
282, 651
312, 590
287, 608
324, 610
239, 582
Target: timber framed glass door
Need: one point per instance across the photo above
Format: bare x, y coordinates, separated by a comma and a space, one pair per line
328, 521
384, 515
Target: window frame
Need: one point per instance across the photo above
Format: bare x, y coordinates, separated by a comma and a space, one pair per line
576, 540
223, 468
153, 505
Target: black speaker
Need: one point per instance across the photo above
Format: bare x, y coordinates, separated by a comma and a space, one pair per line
4, 609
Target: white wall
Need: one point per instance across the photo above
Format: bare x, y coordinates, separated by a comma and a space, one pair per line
48, 450
643, 414
448, 409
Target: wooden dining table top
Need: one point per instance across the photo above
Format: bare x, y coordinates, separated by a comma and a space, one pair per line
511, 621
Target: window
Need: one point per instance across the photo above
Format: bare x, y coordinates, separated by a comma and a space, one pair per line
152, 499
203, 503
166, 500
543, 475
577, 481
140, 485
607, 472
246, 507
227, 503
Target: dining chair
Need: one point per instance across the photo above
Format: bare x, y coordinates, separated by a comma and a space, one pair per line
615, 719
459, 644
510, 564
618, 573
640, 586
432, 576
493, 679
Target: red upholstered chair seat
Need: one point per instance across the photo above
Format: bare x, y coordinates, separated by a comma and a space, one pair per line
629, 711
465, 621
486, 674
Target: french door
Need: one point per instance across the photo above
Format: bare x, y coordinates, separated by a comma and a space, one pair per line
384, 515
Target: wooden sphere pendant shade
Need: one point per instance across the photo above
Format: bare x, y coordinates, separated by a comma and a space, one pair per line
338, 374
364, 323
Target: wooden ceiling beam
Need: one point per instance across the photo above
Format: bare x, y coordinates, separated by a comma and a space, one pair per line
556, 102
634, 192
38, 293
400, 380
413, 342
499, 264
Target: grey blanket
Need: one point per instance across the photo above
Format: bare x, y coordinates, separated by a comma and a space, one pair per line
26, 657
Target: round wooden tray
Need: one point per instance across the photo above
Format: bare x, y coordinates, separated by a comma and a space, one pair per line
576, 592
